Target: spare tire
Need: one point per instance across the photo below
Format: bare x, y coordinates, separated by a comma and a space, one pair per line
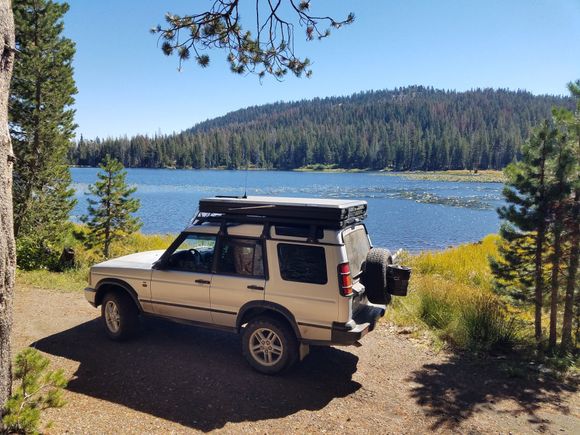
374, 277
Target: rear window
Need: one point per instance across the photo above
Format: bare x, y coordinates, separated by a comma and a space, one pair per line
302, 263
357, 247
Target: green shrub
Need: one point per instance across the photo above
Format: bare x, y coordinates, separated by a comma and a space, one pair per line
37, 389
484, 326
435, 310
36, 253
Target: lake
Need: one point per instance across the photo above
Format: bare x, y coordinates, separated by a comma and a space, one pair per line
411, 214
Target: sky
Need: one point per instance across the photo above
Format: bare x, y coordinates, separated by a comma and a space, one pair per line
127, 86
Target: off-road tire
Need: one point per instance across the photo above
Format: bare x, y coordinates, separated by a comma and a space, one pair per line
284, 336
127, 320
374, 277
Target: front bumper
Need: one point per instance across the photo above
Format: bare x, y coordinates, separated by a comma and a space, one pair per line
362, 323
91, 295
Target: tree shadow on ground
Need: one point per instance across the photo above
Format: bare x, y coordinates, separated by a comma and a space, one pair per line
454, 390
196, 377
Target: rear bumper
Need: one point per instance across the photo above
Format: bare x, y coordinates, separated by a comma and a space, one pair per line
362, 323
90, 295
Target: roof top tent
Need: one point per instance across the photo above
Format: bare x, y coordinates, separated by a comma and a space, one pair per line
325, 213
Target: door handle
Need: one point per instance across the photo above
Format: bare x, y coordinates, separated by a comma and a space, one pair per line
255, 287
202, 281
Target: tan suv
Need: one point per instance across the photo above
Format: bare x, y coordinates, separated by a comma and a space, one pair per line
285, 273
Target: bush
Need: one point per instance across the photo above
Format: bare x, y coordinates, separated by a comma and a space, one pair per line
35, 253
451, 296
38, 389
76, 278
435, 310
484, 326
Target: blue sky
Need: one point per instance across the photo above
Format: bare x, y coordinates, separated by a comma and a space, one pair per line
126, 85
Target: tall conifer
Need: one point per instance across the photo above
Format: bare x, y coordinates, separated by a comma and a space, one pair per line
527, 208
41, 126
558, 197
111, 207
571, 300
542, 233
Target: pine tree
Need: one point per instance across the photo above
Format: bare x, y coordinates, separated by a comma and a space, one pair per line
513, 269
558, 197
110, 214
571, 120
38, 389
526, 193
541, 233
41, 127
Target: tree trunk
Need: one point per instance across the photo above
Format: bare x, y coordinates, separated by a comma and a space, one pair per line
572, 273
556, 259
540, 239
108, 221
7, 249
539, 290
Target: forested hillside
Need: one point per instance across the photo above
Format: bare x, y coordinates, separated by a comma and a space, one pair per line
412, 128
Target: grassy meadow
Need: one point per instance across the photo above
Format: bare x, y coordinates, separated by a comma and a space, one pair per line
451, 300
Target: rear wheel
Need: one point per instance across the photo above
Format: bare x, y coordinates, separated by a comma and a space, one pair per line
269, 345
119, 315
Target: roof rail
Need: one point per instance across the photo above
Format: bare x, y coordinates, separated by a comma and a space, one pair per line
221, 218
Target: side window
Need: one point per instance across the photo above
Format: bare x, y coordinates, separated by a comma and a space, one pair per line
241, 257
302, 263
194, 254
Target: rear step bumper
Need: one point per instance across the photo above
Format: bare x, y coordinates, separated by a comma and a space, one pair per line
362, 322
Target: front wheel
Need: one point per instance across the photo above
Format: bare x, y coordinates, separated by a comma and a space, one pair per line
120, 316
269, 345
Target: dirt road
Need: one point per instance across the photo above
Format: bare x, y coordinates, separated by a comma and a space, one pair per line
178, 379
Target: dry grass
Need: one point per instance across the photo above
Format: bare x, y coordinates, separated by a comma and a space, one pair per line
450, 296
465, 264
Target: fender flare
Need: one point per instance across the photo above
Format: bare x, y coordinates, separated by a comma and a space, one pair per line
268, 306
117, 283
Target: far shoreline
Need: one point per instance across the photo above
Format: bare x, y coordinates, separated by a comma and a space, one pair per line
453, 175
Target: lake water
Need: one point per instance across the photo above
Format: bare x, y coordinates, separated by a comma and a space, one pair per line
411, 214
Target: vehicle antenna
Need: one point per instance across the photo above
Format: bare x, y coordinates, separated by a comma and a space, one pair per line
246, 181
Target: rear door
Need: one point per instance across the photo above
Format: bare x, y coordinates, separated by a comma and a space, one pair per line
240, 277
304, 281
357, 245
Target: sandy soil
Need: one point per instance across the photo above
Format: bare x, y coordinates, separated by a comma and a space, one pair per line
179, 379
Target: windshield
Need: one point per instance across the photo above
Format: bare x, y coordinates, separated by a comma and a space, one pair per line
357, 247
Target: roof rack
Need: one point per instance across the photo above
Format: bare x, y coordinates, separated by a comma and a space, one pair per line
326, 213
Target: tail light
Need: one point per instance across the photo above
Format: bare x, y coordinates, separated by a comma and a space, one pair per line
344, 279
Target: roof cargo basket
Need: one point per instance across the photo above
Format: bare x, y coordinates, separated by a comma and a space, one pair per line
327, 213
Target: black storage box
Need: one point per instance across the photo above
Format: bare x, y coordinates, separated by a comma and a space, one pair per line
398, 280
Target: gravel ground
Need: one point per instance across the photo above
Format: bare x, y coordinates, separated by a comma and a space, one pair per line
179, 379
